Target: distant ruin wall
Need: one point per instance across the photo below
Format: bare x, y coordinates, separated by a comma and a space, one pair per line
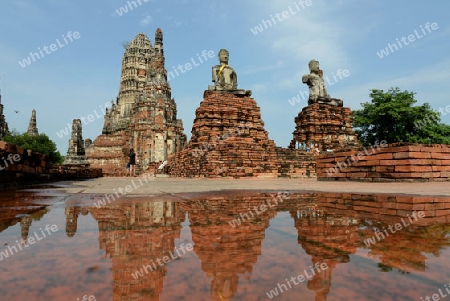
295, 163
399, 162
19, 166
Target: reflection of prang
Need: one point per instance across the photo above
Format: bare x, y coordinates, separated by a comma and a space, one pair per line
134, 235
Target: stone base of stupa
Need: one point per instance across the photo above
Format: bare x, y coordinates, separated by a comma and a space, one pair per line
228, 140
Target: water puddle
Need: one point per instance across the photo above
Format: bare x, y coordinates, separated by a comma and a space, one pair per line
222, 246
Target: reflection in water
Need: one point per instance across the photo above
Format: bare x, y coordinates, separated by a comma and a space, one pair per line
329, 229
133, 235
227, 251
327, 239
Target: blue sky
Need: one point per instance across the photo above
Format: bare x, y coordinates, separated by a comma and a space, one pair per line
84, 74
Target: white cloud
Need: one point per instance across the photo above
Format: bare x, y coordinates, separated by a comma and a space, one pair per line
430, 84
313, 32
217, 11
147, 20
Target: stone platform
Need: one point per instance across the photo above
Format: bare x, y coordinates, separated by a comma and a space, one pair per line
327, 125
180, 186
228, 140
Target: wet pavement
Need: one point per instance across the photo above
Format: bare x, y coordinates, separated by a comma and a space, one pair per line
58, 242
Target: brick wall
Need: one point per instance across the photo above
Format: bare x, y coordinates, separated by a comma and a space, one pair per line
295, 163
392, 163
18, 166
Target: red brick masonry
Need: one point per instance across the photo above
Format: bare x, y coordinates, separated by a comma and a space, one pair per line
237, 143
394, 163
29, 167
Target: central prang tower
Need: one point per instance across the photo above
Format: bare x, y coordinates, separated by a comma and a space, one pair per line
141, 64
144, 115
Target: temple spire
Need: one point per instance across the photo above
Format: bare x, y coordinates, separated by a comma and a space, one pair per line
76, 154
3, 124
159, 41
32, 129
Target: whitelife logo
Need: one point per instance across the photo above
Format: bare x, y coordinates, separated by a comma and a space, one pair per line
48, 50
391, 48
31, 240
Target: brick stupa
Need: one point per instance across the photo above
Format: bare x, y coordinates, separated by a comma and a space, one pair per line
325, 121
228, 140
328, 126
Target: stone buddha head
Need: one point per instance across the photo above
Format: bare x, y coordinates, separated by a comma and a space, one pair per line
224, 56
313, 66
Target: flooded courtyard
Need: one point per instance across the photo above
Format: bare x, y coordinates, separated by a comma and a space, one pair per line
222, 245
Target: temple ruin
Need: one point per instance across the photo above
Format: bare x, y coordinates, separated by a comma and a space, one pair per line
32, 129
144, 115
228, 135
3, 124
76, 152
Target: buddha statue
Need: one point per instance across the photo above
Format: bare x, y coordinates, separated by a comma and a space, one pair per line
224, 76
314, 81
317, 88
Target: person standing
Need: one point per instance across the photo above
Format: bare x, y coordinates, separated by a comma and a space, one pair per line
128, 168
132, 162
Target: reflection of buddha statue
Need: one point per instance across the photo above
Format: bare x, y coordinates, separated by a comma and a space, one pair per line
224, 76
317, 89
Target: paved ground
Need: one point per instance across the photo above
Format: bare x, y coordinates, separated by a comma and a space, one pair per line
176, 185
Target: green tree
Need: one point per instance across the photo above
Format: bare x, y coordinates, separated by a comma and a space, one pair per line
391, 116
39, 144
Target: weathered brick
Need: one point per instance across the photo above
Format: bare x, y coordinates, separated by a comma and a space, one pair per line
442, 156
413, 168
412, 155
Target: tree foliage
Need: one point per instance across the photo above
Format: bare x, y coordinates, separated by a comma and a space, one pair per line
39, 144
391, 116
